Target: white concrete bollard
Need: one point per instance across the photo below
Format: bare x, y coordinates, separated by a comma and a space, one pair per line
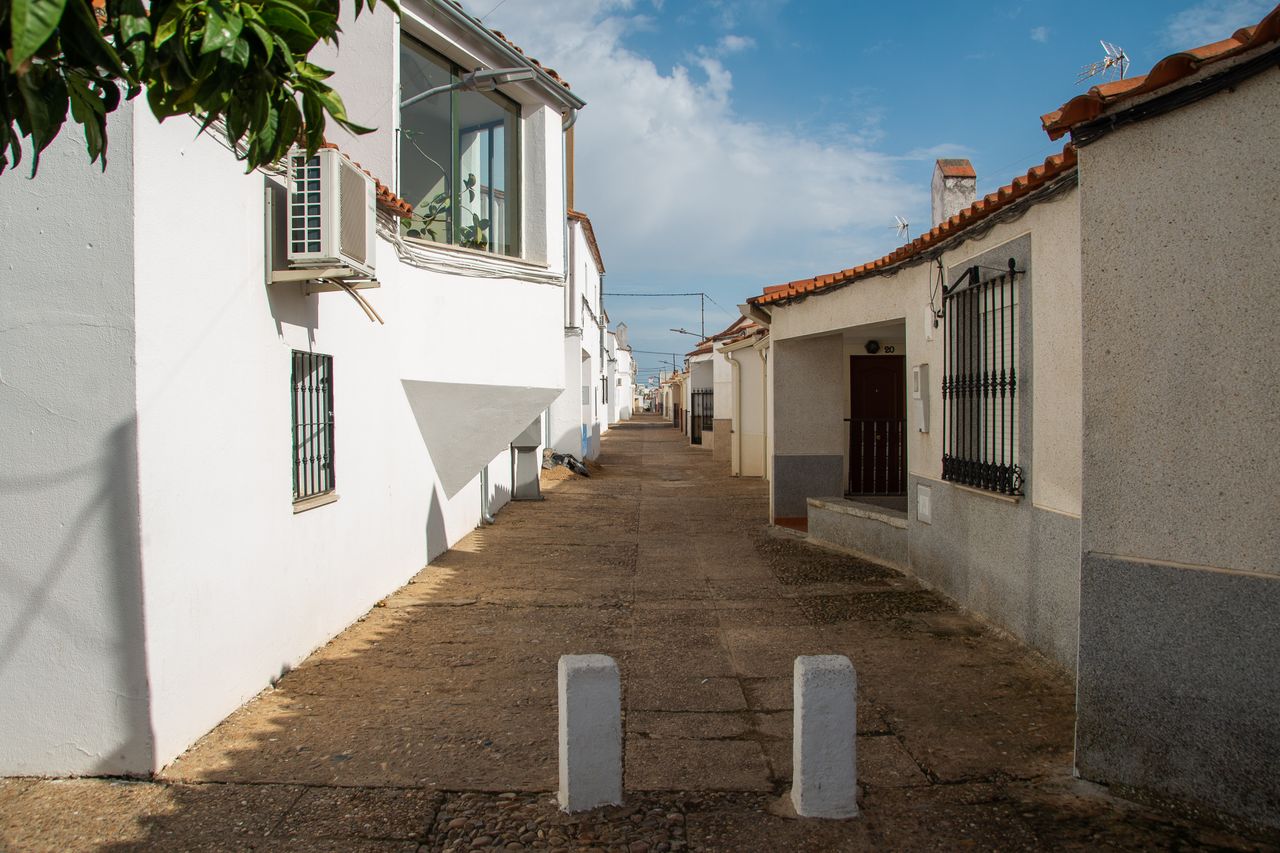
825, 730
590, 732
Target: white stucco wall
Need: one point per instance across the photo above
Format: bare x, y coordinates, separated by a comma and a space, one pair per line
747, 455
1185, 464
722, 384
579, 414
238, 587
624, 386
566, 411
368, 89
73, 679
701, 376
155, 575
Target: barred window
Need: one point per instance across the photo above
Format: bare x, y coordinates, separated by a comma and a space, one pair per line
980, 382
312, 402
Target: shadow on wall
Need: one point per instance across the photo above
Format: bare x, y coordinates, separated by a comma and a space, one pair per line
437, 537
288, 304
100, 554
501, 497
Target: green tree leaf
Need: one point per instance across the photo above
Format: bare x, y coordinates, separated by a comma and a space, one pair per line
44, 94
238, 63
31, 23
220, 29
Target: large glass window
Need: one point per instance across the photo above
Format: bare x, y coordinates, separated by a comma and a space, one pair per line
459, 158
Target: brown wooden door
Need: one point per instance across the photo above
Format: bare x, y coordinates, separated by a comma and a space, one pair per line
877, 425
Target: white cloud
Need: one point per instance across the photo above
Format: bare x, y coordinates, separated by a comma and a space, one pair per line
1213, 20
940, 151
677, 181
731, 44
1040, 34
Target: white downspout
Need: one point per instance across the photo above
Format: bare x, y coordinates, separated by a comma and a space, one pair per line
485, 516
735, 432
764, 411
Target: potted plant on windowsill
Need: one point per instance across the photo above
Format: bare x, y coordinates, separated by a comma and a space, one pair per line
433, 222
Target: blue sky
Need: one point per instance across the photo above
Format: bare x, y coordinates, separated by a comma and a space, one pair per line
732, 144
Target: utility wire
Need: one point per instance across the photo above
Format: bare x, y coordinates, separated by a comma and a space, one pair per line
491, 11
697, 293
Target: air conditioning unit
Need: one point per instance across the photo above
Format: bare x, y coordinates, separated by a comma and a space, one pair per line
331, 213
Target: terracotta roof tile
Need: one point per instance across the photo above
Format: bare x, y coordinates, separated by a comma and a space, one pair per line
1172, 69
956, 168
579, 216
551, 72
1036, 177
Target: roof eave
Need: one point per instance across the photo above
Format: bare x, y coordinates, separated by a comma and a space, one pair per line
558, 92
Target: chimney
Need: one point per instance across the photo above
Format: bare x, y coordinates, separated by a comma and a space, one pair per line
955, 187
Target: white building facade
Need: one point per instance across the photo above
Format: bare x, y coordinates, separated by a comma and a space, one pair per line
622, 403
746, 399
578, 418
210, 473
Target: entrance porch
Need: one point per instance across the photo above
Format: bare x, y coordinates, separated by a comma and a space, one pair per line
840, 426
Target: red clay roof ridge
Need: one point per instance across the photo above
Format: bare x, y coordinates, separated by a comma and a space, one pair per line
590, 233
1019, 188
1169, 71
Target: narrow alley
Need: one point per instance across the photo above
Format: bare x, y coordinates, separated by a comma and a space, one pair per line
431, 723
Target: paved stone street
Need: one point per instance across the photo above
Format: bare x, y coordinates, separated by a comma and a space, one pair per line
431, 723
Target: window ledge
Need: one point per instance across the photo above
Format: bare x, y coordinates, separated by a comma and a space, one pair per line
995, 496
314, 501
417, 252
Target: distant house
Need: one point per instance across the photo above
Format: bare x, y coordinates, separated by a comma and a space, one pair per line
700, 396
580, 416
623, 376
745, 397
216, 460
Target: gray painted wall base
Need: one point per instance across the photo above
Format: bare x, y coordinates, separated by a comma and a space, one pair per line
876, 533
795, 478
1015, 564
1179, 683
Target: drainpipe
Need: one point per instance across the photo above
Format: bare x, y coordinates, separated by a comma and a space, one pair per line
735, 448
485, 516
564, 198
764, 411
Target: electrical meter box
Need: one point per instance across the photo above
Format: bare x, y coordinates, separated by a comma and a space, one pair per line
920, 396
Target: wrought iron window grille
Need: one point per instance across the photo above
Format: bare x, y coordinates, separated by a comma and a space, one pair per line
313, 422
980, 381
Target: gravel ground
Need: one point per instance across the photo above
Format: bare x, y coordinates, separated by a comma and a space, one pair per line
430, 724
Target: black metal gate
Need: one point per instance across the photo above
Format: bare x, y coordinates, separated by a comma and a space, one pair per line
702, 414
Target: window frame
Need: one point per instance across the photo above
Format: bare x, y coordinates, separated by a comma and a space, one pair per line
314, 477
513, 168
981, 420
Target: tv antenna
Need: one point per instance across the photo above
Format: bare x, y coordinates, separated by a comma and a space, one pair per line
902, 226
1112, 66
